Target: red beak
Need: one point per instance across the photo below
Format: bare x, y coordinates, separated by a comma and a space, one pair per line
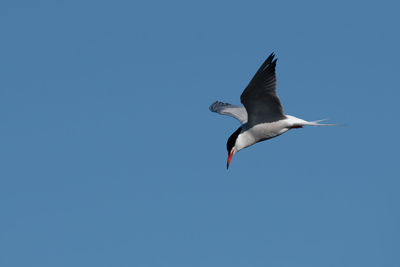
229, 159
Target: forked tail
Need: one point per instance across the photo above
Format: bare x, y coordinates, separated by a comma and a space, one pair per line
298, 123
317, 123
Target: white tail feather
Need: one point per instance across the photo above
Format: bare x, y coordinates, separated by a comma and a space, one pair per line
317, 123
299, 122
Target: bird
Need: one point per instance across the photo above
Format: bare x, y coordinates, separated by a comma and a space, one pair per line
261, 116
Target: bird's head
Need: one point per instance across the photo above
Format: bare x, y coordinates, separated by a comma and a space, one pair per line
230, 146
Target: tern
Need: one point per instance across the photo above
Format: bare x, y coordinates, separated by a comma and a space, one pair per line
262, 116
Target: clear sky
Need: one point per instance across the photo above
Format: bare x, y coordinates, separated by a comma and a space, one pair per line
110, 156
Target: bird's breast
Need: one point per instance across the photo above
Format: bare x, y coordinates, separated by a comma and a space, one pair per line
261, 132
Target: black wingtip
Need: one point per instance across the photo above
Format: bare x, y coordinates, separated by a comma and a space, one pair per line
270, 57
271, 60
212, 106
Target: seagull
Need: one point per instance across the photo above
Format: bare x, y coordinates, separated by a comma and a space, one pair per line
262, 116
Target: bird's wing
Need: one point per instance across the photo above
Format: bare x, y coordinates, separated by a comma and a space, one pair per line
231, 110
259, 98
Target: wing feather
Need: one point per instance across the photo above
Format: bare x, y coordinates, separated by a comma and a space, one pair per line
259, 98
234, 111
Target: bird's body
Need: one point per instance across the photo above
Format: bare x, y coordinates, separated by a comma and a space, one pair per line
267, 130
260, 132
262, 116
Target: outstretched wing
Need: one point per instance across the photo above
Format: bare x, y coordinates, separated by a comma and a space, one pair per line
231, 110
259, 98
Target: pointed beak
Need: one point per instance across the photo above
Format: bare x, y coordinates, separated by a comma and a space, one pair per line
230, 158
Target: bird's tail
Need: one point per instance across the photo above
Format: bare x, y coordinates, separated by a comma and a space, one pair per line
317, 123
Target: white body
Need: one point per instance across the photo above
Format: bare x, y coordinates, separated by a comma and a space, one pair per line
264, 131
268, 130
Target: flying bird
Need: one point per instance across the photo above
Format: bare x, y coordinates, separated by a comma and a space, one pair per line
262, 116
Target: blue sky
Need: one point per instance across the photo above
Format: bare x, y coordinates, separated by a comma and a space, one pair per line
110, 156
